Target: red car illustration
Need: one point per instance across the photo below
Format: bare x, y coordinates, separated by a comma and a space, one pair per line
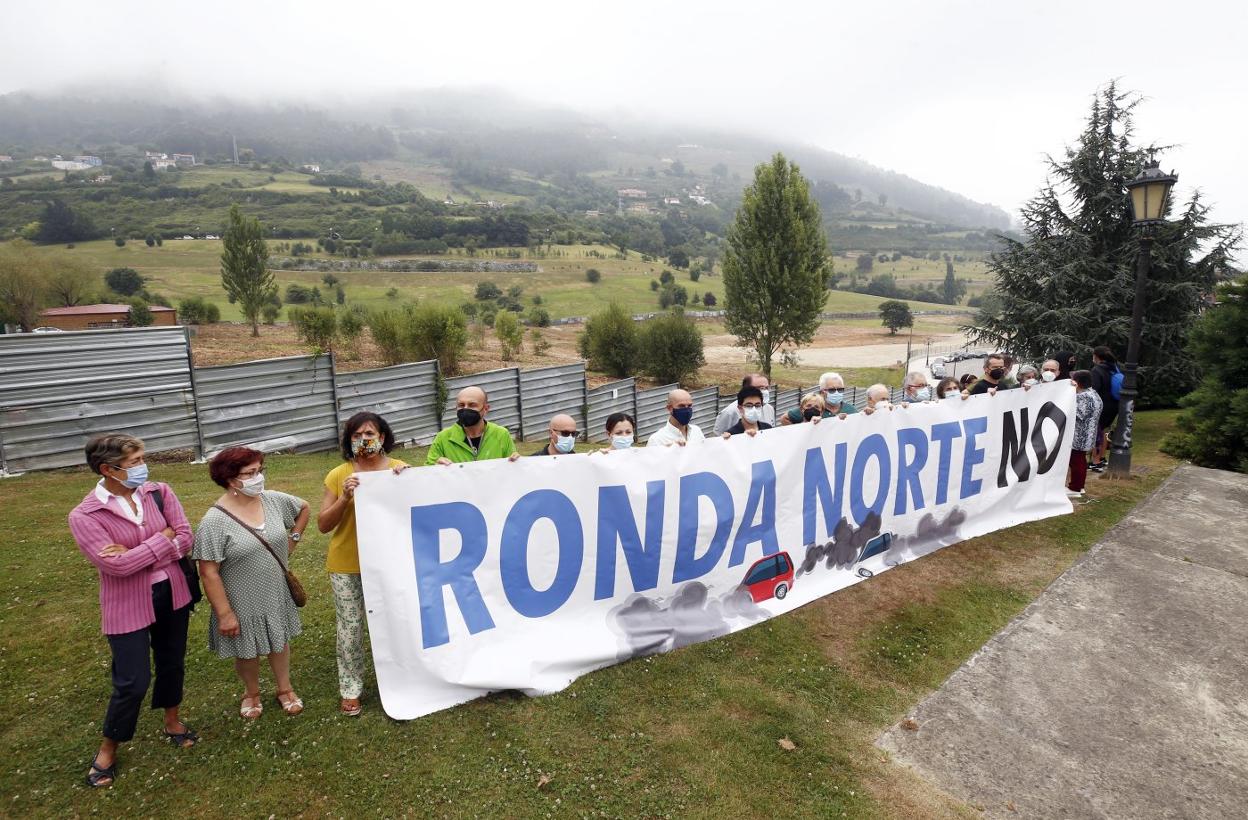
770, 577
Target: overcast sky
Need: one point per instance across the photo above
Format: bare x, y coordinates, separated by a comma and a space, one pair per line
966, 95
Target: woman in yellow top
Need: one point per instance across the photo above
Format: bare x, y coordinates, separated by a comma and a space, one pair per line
366, 443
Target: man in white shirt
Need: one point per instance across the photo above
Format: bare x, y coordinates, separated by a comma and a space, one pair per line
730, 415
679, 430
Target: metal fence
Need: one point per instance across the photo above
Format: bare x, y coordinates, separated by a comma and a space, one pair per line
502, 388
271, 404
57, 389
406, 395
602, 401
652, 409
705, 407
548, 391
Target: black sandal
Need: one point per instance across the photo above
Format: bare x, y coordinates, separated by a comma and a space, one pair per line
183, 740
98, 774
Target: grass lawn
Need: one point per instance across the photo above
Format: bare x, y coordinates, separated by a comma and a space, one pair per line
694, 732
183, 268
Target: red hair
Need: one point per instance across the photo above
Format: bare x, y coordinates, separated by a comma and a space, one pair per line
227, 464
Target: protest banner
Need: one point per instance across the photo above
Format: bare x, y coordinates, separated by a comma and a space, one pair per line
497, 575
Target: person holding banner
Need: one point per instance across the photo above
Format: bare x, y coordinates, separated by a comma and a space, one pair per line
832, 401
366, 444
680, 429
622, 431
134, 532
993, 378
915, 389
877, 399
750, 408
730, 415
472, 437
563, 435
948, 388
243, 545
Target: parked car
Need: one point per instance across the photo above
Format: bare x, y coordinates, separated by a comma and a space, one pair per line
769, 577
47, 330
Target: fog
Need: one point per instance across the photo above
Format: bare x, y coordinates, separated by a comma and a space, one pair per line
966, 95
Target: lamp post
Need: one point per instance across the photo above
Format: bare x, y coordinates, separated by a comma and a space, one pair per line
1150, 196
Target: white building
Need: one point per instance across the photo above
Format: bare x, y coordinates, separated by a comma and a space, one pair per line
311, 168
631, 193
184, 159
69, 165
89, 160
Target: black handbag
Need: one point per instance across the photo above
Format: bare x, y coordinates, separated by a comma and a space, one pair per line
188, 566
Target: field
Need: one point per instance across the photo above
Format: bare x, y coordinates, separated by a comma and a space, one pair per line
183, 268
693, 733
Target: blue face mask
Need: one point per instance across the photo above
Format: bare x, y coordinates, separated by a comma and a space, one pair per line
834, 397
922, 394
621, 442
136, 476
565, 444
683, 415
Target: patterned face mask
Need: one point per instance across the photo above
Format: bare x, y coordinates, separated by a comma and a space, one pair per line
365, 447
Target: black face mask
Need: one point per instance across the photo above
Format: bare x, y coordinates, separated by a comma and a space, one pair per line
467, 417
996, 373
810, 412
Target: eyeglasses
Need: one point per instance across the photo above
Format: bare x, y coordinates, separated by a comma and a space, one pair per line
573, 433
755, 406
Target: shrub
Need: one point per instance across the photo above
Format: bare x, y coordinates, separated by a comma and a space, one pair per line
673, 296
298, 294
593, 276
670, 347
695, 274
125, 281
419, 333
540, 345
510, 334
539, 317
386, 329
198, 311
666, 277
151, 240
709, 299
120, 241
269, 313
609, 342
140, 314
487, 291
315, 326
537, 298
654, 284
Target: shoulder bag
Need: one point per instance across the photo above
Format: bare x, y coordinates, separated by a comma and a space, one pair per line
292, 582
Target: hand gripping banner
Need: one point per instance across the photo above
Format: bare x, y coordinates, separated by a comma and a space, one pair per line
496, 575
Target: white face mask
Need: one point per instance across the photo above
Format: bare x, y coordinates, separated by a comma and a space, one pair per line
565, 444
1030, 382
766, 397
252, 486
1048, 375
953, 393
753, 414
923, 394
621, 442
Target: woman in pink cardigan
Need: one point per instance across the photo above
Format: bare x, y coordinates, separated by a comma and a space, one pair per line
135, 539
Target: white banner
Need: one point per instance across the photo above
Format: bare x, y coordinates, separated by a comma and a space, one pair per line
496, 575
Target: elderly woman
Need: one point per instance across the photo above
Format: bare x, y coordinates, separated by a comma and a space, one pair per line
948, 388
243, 544
134, 532
1028, 375
811, 408
832, 391
877, 399
366, 444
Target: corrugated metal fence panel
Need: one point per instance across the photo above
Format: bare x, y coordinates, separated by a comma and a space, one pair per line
36, 368
652, 410
44, 436
615, 397
502, 388
705, 408
271, 404
404, 395
722, 400
786, 400
550, 390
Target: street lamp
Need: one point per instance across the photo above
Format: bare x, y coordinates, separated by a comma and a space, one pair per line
1150, 196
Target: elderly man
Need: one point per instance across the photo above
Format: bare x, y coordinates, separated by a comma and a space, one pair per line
877, 399
471, 438
563, 435
832, 389
915, 388
680, 429
1050, 370
730, 415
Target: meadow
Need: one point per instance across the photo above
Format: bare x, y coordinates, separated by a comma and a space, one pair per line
697, 732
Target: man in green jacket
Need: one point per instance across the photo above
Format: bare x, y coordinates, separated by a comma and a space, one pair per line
472, 438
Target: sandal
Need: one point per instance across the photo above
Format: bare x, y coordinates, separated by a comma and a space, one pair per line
351, 707
291, 707
98, 774
184, 739
254, 711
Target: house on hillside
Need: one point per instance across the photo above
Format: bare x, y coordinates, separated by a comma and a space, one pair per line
184, 159
87, 159
5, 158
162, 164
154, 155
593, 214
671, 200
100, 179
631, 193
94, 317
69, 165
311, 168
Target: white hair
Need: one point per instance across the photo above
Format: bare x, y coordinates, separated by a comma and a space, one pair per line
878, 392
830, 376
913, 376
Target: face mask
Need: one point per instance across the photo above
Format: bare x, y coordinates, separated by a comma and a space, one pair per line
1048, 375
810, 412
683, 415
766, 397
996, 373
952, 394
753, 414
252, 486
922, 394
1030, 382
467, 417
565, 444
135, 476
365, 447
621, 442
834, 397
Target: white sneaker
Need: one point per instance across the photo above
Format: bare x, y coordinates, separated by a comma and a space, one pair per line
1074, 493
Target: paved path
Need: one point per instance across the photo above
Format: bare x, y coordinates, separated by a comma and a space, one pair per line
1123, 690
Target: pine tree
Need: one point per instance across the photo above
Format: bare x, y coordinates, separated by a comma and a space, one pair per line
776, 267
244, 267
1069, 284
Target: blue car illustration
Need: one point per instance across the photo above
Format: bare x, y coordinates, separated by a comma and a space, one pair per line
876, 546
